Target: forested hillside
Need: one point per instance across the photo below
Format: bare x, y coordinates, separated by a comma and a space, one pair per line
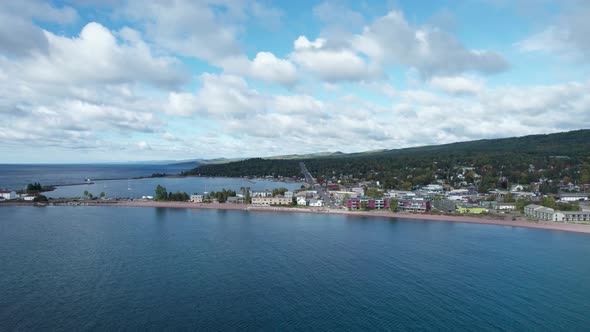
496, 162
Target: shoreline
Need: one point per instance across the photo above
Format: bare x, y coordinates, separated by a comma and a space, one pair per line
546, 225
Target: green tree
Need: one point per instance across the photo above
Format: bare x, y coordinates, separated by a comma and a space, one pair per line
549, 202
34, 187
393, 204
407, 185
161, 193
521, 203
279, 191
373, 193
573, 206
364, 205
40, 199
86, 193
178, 196
509, 198
102, 194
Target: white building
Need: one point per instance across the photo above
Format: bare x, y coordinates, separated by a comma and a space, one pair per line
29, 197
265, 193
288, 194
435, 188
301, 201
196, 199
400, 194
359, 190
545, 213
316, 203
573, 197
8, 194
506, 206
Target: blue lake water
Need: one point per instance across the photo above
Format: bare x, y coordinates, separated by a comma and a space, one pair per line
141, 187
18, 176
115, 268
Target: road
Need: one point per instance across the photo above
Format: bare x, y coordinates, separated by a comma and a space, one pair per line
328, 201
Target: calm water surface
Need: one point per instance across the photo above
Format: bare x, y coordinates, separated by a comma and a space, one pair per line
18, 176
106, 268
140, 187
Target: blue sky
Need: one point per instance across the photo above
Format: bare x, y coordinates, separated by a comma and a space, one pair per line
126, 80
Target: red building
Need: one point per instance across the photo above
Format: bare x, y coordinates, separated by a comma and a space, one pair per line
372, 203
333, 186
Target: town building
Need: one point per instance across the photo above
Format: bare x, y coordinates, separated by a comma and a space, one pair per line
288, 194
8, 194
435, 188
370, 203
265, 193
507, 206
277, 200
400, 194
301, 201
316, 203
29, 197
359, 190
196, 198
333, 186
414, 205
444, 205
573, 197
545, 213
236, 199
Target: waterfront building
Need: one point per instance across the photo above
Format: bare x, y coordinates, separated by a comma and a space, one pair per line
265, 193
196, 198
371, 203
236, 199
29, 197
8, 194
316, 203
414, 205
544, 213
277, 200
506, 206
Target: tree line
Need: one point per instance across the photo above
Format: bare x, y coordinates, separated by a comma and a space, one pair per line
497, 163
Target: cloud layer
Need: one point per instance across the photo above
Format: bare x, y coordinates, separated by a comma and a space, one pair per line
177, 79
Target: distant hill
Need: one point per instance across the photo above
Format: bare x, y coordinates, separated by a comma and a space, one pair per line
197, 162
517, 159
308, 156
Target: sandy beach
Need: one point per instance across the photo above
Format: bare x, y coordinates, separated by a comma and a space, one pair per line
578, 228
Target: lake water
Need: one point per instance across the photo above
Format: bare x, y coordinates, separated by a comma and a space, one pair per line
115, 268
141, 187
18, 176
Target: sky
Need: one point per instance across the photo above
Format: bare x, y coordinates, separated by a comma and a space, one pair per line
85, 81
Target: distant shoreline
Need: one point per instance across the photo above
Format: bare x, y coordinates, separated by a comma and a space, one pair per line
576, 228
